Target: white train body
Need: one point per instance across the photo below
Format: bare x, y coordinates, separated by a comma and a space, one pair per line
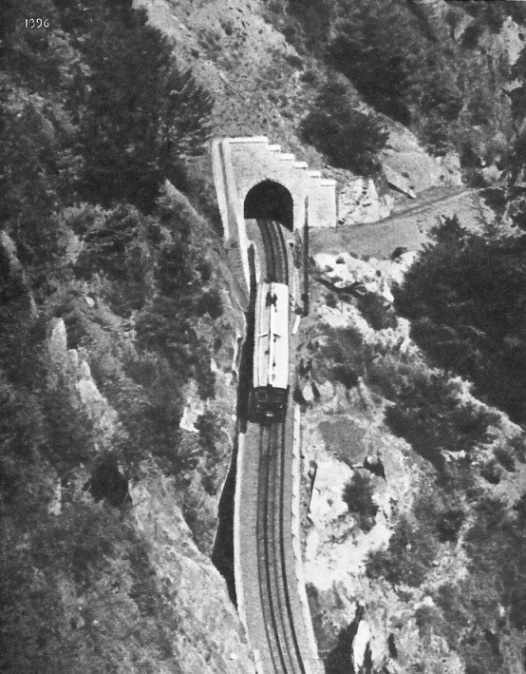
271, 351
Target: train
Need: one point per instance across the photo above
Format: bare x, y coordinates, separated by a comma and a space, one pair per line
270, 385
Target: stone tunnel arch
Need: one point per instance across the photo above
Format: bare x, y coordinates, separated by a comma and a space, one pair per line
270, 201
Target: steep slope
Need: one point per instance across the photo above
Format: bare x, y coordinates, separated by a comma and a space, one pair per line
411, 487
256, 77
267, 65
120, 323
120, 328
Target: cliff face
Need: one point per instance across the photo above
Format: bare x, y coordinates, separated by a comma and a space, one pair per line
201, 627
104, 569
383, 574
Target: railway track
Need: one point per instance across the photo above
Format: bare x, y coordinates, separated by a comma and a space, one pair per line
272, 554
274, 248
272, 568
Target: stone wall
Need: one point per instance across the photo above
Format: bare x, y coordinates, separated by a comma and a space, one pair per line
241, 164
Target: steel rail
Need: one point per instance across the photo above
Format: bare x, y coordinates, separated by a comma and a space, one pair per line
264, 575
278, 619
273, 570
275, 252
269, 251
277, 567
283, 556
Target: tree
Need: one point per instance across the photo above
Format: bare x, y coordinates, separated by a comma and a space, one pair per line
351, 139
378, 46
143, 114
465, 296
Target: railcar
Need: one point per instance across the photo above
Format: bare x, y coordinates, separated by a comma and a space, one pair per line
271, 352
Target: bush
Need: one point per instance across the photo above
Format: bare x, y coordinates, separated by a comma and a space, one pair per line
492, 472
139, 120
505, 458
449, 523
470, 623
465, 297
428, 412
408, 558
343, 356
377, 311
357, 494
345, 374
494, 544
349, 138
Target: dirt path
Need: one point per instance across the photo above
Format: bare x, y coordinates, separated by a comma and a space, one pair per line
406, 228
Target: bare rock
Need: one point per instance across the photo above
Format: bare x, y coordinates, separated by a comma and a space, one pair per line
398, 181
307, 393
209, 637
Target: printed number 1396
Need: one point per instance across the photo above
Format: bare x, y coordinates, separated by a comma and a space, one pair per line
37, 23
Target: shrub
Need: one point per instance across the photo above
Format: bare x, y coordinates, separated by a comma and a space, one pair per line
357, 494
408, 558
70, 437
139, 120
346, 374
492, 472
331, 300
377, 311
440, 510
449, 523
210, 303
209, 425
470, 622
465, 296
343, 356
349, 138
494, 544
505, 458
428, 412
427, 620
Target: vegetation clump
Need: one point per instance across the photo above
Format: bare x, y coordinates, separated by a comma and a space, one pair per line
464, 296
409, 65
351, 139
426, 406
358, 496
96, 118
407, 559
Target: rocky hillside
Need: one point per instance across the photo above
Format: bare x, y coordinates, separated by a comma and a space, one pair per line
285, 70
121, 324
414, 491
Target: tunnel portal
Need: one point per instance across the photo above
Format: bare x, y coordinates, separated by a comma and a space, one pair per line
269, 200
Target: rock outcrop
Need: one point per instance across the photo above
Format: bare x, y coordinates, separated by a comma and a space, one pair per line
209, 636
361, 619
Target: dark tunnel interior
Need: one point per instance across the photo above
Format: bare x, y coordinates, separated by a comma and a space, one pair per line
269, 200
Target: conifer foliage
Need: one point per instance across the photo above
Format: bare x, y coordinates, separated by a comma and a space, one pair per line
95, 116
407, 64
142, 115
465, 298
350, 138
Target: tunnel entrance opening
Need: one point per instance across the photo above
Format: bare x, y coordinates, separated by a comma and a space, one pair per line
269, 200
